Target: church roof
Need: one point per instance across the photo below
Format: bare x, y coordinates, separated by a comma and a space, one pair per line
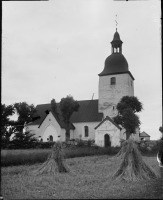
144, 134
108, 118
60, 122
41, 115
88, 112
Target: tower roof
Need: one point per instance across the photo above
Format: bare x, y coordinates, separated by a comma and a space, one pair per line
116, 63
116, 36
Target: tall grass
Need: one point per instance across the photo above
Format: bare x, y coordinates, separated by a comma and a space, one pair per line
28, 157
23, 157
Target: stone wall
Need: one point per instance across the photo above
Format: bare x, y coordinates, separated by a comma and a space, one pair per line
110, 95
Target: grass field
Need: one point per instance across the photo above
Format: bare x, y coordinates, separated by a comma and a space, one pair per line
90, 177
34, 156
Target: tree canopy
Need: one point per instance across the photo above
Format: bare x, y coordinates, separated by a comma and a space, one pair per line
25, 113
127, 107
6, 128
131, 102
54, 108
9, 127
67, 106
6, 111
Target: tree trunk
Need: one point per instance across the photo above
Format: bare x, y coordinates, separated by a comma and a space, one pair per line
127, 134
67, 132
132, 166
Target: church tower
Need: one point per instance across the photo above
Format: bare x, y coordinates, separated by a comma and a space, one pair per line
115, 81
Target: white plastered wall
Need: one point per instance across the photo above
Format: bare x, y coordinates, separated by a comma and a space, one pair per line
107, 128
79, 130
122, 133
49, 127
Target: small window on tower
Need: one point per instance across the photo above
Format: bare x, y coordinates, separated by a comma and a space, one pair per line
131, 83
113, 81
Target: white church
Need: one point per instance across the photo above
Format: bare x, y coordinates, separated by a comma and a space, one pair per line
94, 118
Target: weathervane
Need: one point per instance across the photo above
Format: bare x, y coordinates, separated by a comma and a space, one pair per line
116, 22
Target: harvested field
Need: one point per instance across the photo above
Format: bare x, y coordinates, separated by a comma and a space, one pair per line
90, 177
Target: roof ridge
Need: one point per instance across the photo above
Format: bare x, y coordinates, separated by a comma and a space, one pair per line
76, 100
110, 119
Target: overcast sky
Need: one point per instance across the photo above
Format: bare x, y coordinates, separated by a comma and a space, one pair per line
51, 49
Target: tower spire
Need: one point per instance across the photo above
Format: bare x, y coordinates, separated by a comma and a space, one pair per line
116, 22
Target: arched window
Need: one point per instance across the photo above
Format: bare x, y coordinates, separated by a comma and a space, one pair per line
50, 138
113, 81
86, 131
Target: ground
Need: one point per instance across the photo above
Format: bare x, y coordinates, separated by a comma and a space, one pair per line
90, 178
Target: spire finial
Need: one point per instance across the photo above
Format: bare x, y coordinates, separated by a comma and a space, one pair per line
116, 22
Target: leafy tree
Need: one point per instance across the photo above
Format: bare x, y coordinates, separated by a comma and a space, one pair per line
131, 102
127, 107
161, 129
67, 106
23, 140
54, 108
132, 166
6, 128
25, 114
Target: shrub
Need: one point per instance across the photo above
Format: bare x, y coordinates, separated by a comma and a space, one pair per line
149, 148
81, 143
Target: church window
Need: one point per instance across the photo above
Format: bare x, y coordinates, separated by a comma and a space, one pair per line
86, 131
113, 81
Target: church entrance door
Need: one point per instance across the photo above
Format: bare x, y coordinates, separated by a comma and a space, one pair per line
107, 141
50, 133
